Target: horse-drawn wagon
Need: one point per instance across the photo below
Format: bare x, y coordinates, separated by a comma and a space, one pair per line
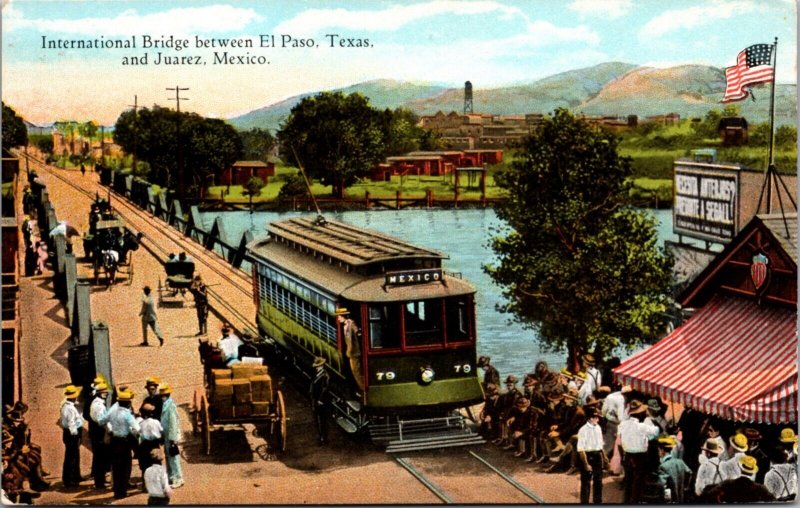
112, 246
178, 280
240, 394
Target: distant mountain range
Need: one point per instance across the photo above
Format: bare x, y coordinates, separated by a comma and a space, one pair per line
612, 88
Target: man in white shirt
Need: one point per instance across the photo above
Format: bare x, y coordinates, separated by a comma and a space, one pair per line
730, 467
101, 461
229, 345
593, 378
634, 436
614, 412
156, 482
781, 479
709, 472
72, 424
590, 450
150, 435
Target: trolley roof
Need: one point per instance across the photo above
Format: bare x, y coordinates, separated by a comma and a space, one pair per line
348, 244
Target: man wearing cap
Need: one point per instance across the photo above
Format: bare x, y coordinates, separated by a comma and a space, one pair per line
229, 345
519, 426
590, 451
124, 429
153, 397
593, 378
730, 467
709, 472
72, 424
507, 401
753, 442
171, 425
351, 336
200, 293
101, 462
149, 317
674, 475
634, 436
489, 416
318, 392
781, 479
490, 373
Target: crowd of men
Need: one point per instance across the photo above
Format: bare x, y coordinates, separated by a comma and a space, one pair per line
118, 435
23, 476
581, 422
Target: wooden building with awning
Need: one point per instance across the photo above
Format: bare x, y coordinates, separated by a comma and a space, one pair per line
736, 356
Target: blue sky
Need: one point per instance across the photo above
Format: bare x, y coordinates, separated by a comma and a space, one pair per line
489, 42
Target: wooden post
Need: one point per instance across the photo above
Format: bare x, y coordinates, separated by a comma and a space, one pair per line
101, 346
82, 323
366, 199
71, 277
429, 198
455, 190
397, 200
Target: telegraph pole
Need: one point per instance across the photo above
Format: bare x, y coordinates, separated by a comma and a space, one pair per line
177, 100
135, 107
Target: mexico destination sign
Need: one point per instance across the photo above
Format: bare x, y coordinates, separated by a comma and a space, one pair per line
706, 201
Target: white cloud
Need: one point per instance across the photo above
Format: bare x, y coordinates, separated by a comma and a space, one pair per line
179, 21
607, 8
313, 21
692, 17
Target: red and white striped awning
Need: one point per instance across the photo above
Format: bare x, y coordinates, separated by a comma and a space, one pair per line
732, 358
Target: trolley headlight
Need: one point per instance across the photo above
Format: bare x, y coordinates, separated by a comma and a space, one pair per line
426, 375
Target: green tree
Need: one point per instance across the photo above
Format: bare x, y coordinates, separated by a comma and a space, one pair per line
709, 127
786, 136
337, 138
758, 134
15, 133
256, 144
731, 111
577, 264
159, 136
44, 142
252, 188
401, 134
294, 186
68, 128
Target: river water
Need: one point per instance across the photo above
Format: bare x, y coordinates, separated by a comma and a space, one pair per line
464, 236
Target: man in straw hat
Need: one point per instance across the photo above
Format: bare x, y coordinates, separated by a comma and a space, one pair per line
124, 430
318, 392
71, 423
171, 424
674, 475
593, 378
634, 436
352, 341
755, 451
730, 467
709, 472
788, 440
101, 460
592, 458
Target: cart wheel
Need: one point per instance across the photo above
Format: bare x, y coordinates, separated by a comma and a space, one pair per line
195, 413
205, 425
281, 410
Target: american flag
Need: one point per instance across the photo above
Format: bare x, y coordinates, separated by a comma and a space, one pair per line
753, 66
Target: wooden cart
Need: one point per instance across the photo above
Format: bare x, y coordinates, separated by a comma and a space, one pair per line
273, 423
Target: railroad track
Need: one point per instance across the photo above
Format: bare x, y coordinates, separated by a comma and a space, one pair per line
152, 227
447, 497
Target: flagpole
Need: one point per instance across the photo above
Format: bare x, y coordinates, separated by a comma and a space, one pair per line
771, 164
772, 108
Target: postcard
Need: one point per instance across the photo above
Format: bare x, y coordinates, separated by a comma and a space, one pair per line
399, 252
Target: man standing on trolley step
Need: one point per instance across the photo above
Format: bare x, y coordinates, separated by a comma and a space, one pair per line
319, 395
149, 318
351, 340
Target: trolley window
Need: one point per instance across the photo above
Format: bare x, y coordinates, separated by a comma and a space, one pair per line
457, 319
384, 327
423, 322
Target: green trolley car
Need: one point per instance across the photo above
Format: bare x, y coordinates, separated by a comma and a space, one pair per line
415, 321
